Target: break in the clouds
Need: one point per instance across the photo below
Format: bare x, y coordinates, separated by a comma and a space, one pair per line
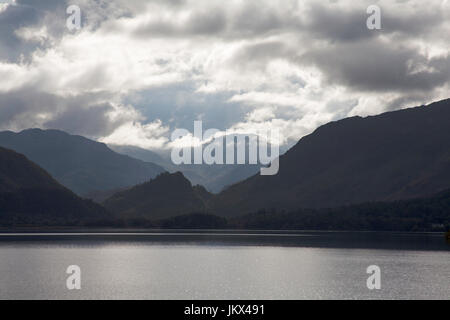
136, 70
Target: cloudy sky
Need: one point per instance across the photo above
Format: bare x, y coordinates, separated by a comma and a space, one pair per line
137, 70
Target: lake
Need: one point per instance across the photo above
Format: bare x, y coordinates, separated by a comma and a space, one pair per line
224, 265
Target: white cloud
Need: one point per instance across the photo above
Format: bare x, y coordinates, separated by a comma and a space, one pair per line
149, 136
249, 56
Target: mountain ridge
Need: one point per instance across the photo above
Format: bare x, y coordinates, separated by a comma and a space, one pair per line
29, 195
392, 156
80, 164
214, 178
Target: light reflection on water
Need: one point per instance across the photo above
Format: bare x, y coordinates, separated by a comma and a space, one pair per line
318, 266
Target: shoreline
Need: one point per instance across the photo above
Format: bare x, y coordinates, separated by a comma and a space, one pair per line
408, 241
84, 230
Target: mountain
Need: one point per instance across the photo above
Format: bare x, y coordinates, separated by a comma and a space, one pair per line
168, 195
142, 154
29, 195
218, 176
396, 155
78, 163
213, 177
101, 195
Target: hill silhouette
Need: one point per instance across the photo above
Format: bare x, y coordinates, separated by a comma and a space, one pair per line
167, 195
393, 156
30, 196
213, 177
80, 164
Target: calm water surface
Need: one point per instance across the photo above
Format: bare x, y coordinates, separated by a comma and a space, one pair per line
223, 265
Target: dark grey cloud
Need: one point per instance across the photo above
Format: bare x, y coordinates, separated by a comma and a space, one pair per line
249, 20
42, 5
254, 19
75, 114
316, 20
90, 121
29, 14
198, 24
11, 19
22, 105
338, 24
260, 53
375, 65
413, 25
52, 15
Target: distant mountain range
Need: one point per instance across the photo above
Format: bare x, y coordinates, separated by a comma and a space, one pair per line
385, 172
30, 196
393, 156
80, 164
213, 177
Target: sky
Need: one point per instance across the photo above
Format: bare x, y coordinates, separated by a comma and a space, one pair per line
137, 70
